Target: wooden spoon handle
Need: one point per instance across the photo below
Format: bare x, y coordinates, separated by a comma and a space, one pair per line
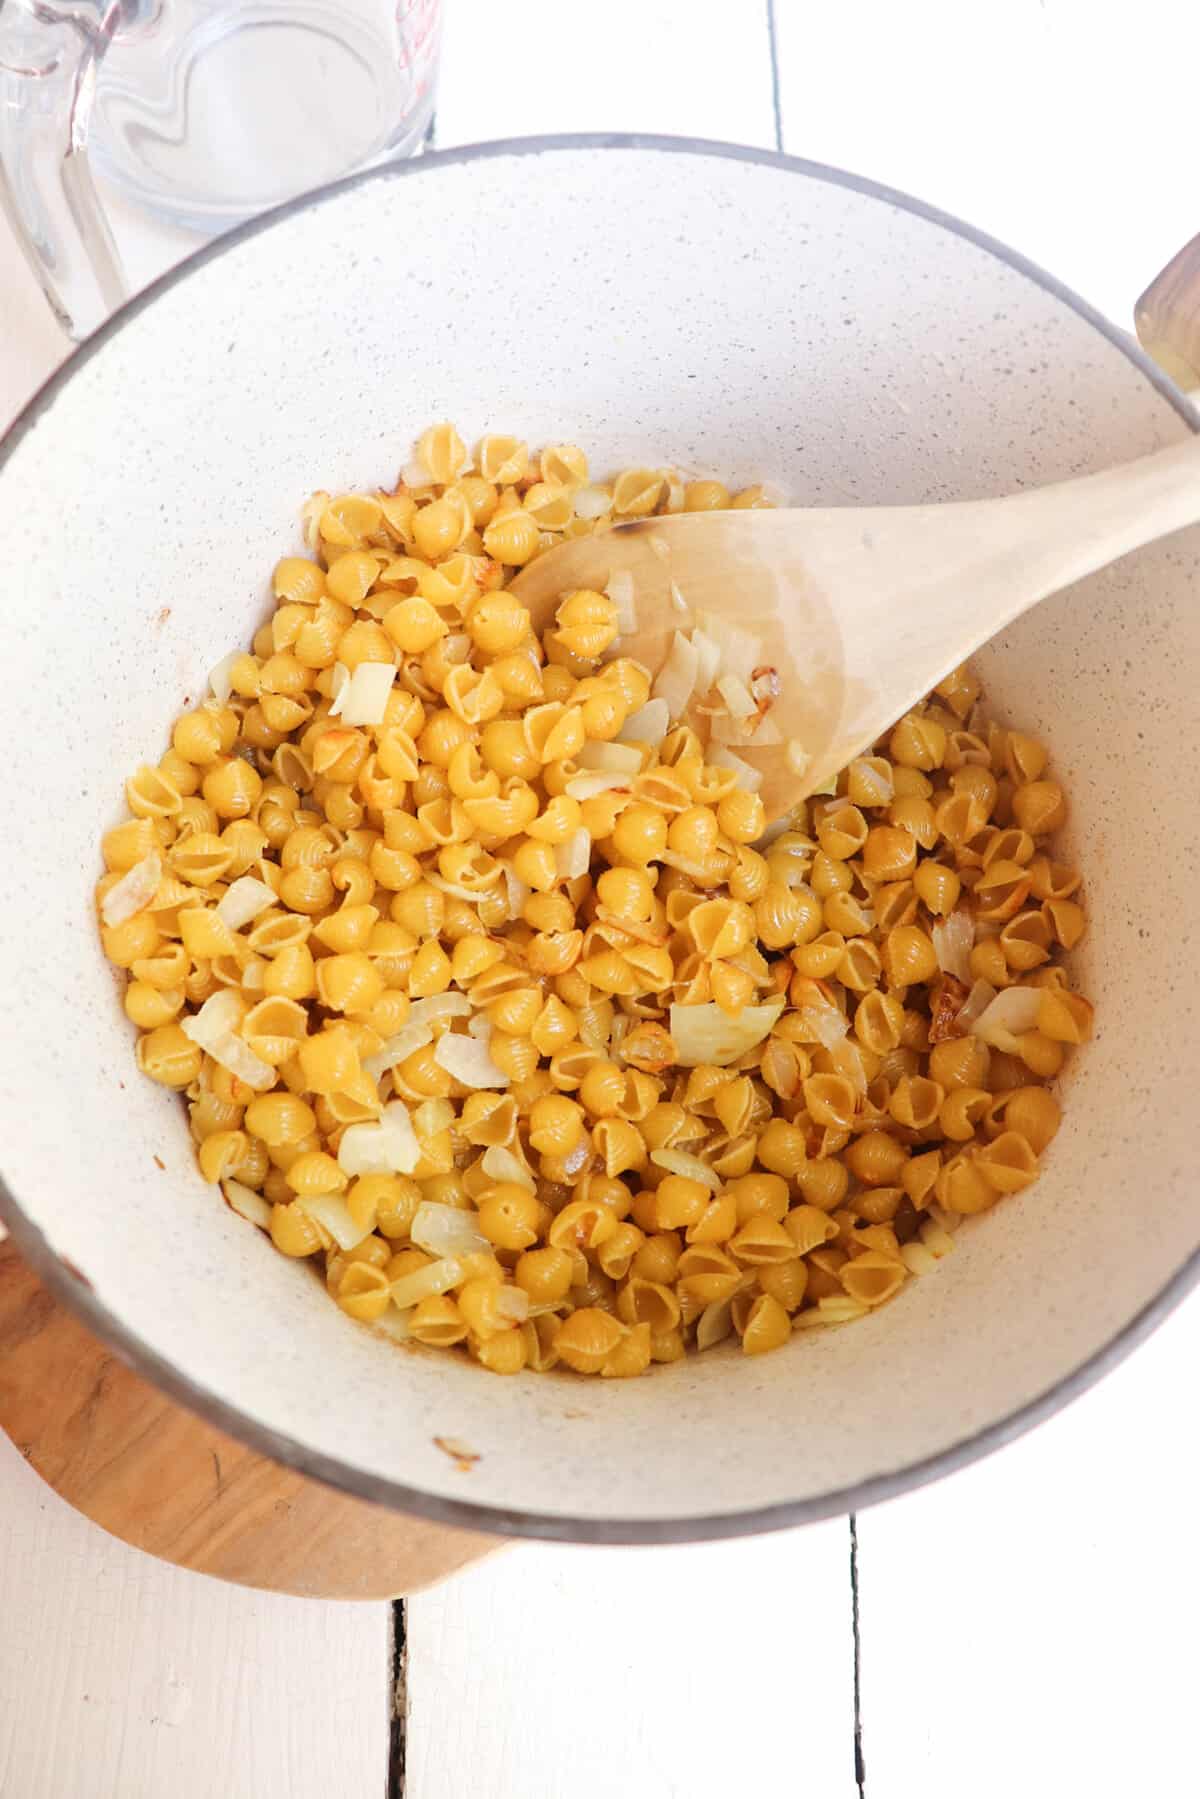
1167, 317
912, 591
1053, 536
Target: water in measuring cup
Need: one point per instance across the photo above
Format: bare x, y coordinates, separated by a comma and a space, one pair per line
209, 111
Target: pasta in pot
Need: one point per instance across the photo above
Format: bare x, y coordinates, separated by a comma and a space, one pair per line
490, 988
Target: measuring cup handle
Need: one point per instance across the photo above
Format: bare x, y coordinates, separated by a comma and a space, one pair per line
47, 83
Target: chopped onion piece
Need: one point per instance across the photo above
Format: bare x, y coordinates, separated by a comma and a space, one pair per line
975, 1005
620, 592
740, 651
649, 724
398, 1125
467, 1059
749, 778
247, 1204
678, 1161
339, 680
707, 1034
448, 1231
754, 732
331, 1210
675, 489
438, 1277
389, 1146
675, 682
593, 503
677, 599
363, 700
714, 1324
220, 1014
825, 1022
766, 686
395, 1325
135, 889
437, 1007
576, 1159
244, 901
241, 1062
219, 679
586, 787
737, 696
517, 892
574, 856
500, 1164
708, 660
398, 1049
1010, 1015
619, 758
513, 1303
480, 1025
953, 940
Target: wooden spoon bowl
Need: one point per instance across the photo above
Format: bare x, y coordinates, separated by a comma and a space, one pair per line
861, 611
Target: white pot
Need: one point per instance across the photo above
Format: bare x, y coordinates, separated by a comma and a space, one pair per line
738, 314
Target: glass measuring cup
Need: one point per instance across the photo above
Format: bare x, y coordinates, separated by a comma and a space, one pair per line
204, 111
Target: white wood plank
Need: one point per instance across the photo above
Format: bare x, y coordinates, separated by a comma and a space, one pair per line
122, 1678
1035, 119
700, 70
1028, 1624
690, 1673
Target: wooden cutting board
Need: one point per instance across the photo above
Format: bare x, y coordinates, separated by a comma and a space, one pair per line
142, 1467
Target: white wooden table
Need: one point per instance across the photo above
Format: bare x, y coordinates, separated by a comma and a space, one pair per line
1022, 1627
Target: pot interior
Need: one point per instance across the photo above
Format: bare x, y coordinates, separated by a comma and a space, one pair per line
655, 303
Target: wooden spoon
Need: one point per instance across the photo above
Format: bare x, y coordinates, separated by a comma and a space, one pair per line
862, 610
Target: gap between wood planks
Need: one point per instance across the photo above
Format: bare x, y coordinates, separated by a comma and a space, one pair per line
398, 1700
860, 1768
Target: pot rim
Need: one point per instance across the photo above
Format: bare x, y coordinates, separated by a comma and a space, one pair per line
72, 1288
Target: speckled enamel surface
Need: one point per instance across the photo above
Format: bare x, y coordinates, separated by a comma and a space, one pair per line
655, 305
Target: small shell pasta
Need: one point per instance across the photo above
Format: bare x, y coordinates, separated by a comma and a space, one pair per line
491, 990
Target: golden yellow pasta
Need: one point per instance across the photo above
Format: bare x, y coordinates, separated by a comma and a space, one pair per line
515, 1013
